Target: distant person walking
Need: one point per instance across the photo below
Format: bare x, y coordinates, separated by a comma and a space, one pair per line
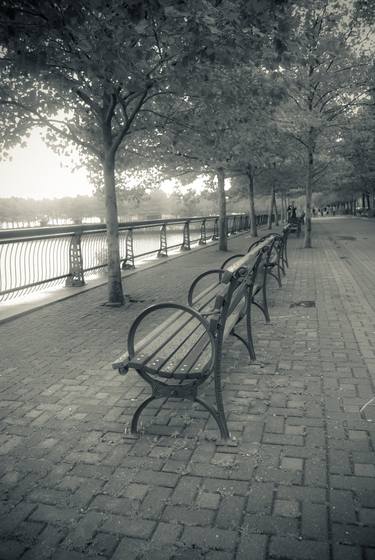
291, 212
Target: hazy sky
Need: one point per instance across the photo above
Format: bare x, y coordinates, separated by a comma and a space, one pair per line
36, 172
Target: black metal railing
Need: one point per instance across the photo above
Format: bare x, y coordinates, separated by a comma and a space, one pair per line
37, 258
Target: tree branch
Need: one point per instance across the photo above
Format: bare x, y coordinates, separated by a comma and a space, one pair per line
121, 135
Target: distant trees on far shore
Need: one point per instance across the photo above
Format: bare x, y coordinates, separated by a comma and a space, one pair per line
18, 212
28, 212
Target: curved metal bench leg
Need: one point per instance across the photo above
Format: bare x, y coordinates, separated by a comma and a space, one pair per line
233, 333
245, 342
264, 306
250, 332
276, 276
279, 273
285, 258
221, 422
264, 310
249, 342
138, 412
281, 264
220, 414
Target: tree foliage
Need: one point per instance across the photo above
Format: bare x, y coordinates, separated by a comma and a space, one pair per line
324, 79
262, 90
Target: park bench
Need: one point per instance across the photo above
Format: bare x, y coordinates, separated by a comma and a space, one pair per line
284, 253
274, 266
175, 348
199, 299
295, 225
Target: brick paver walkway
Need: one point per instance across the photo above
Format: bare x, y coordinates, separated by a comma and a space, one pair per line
297, 481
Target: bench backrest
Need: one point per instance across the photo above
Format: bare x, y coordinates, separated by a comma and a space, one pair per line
231, 297
228, 294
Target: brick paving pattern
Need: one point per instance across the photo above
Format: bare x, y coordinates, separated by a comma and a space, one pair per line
297, 479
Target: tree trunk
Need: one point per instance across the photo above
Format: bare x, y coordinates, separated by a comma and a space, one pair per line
310, 168
272, 200
223, 242
368, 202
275, 209
115, 291
253, 217
282, 209
285, 208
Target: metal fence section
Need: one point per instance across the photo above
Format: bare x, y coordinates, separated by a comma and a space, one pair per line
37, 258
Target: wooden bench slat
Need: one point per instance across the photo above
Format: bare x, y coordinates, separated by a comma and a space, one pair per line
232, 321
201, 297
180, 342
186, 366
173, 333
141, 344
246, 261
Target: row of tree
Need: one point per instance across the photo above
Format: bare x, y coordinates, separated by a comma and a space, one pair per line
22, 212
278, 91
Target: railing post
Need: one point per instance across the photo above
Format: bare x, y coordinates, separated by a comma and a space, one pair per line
186, 237
234, 225
226, 222
163, 248
230, 225
75, 278
128, 261
215, 234
203, 239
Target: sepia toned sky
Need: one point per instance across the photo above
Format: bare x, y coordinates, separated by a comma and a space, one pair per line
37, 172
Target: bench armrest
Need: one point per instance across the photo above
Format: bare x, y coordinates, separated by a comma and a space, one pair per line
217, 271
122, 364
230, 259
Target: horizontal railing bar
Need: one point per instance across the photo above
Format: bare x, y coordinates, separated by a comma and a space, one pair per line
20, 239
96, 267
57, 231
138, 255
